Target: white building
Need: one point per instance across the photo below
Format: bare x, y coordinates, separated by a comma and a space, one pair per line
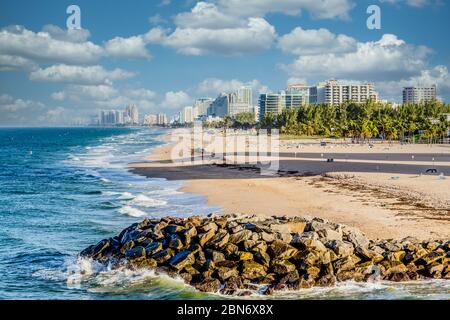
333, 92
162, 119
131, 115
202, 106
150, 120
419, 94
188, 115
231, 104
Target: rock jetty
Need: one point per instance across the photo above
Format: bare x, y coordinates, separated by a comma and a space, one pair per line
234, 254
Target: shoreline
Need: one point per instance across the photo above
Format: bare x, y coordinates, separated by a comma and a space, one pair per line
383, 206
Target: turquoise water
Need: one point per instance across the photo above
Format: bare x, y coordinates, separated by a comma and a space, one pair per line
62, 190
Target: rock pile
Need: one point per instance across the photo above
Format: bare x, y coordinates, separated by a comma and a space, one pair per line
233, 253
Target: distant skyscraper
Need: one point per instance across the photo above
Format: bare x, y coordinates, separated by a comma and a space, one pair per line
150, 120
231, 104
131, 114
202, 105
335, 93
162, 119
419, 94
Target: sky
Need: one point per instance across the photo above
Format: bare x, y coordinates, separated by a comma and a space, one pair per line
163, 54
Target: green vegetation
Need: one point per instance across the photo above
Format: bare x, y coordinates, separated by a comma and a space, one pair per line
364, 121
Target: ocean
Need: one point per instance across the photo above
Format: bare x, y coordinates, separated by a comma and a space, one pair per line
63, 189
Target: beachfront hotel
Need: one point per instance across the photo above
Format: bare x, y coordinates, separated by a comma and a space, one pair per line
231, 104
330, 92
419, 94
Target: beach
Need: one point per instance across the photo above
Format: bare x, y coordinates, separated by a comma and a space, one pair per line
382, 189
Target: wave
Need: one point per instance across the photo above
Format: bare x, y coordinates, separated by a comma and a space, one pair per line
144, 201
132, 212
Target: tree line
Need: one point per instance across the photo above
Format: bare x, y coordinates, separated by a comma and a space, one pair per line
407, 122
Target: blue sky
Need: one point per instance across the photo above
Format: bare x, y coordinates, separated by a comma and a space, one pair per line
163, 54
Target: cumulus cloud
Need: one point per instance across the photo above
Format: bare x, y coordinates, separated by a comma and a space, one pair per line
10, 104
324, 9
257, 35
214, 86
413, 3
176, 100
390, 58
315, 41
207, 15
132, 47
47, 46
79, 74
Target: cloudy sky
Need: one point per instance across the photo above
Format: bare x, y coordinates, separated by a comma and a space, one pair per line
162, 54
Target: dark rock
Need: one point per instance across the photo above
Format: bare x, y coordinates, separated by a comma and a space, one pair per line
127, 246
136, 252
240, 236
175, 242
214, 255
203, 238
153, 248
226, 273
280, 250
208, 285
326, 281
282, 266
163, 256
252, 270
219, 240
182, 260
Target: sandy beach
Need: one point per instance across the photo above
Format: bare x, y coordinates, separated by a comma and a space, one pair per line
382, 189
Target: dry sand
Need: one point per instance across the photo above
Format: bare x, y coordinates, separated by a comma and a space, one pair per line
379, 189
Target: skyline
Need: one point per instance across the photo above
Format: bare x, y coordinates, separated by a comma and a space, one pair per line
169, 53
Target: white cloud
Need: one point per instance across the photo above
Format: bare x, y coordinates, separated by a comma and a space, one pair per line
176, 100
8, 62
413, 3
157, 19
438, 75
59, 96
140, 93
207, 15
324, 9
387, 59
9, 104
258, 35
315, 41
70, 35
132, 47
79, 75
213, 86
41, 47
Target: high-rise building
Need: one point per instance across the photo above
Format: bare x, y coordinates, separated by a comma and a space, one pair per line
333, 92
231, 104
150, 120
131, 114
188, 115
162, 119
419, 94
202, 105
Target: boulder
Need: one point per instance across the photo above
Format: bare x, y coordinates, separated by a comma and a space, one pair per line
240, 236
182, 260
252, 270
282, 266
208, 285
281, 250
224, 273
341, 248
203, 238
219, 240
134, 253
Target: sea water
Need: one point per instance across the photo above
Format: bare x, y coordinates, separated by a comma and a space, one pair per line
63, 189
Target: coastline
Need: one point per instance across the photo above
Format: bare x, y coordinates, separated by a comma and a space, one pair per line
391, 205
